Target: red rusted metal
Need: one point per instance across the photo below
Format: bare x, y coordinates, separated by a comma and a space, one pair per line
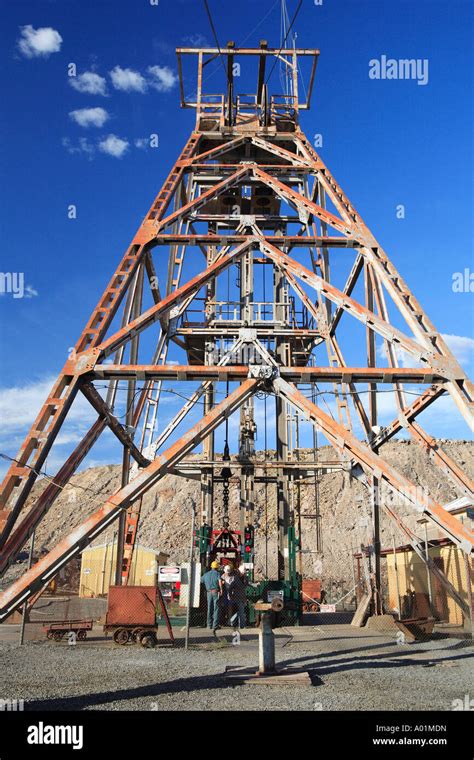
80, 537
131, 605
295, 374
374, 463
257, 156
155, 312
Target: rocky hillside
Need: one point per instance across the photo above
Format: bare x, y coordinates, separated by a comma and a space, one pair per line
344, 508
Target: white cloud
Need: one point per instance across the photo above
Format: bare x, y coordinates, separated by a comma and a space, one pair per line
127, 80
89, 117
405, 358
142, 143
19, 405
30, 292
83, 145
90, 83
197, 40
461, 346
39, 43
114, 146
162, 78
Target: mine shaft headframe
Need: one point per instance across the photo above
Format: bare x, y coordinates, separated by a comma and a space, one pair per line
231, 108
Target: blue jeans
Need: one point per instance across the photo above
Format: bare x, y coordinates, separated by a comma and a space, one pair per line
238, 614
212, 609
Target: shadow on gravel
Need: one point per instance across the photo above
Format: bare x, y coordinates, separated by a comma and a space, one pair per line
352, 650
179, 685
386, 660
327, 618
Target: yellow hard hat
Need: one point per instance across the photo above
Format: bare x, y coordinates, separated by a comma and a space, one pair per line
214, 565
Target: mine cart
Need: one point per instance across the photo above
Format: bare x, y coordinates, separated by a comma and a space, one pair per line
57, 630
132, 615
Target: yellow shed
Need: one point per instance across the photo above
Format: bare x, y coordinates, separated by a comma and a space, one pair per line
98, 568
408, 574
412, 576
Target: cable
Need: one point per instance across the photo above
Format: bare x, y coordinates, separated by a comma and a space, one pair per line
266, 491
262, 394
359, 393
49, 478
284, 74
284, 41
262, 20
215, 34
265, 440
321, 393
259, 23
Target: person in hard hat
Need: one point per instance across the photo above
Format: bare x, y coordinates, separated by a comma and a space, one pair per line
238, 599
211, 581
226, 583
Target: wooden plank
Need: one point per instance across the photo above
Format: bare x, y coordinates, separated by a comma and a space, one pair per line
361, 612
281, 676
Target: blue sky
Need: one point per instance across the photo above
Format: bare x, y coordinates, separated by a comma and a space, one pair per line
387, 143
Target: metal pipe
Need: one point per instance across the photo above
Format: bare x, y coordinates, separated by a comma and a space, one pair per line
25, 606
397, 585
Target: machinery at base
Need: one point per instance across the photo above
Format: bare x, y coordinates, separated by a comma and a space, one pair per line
226, 546
273, 592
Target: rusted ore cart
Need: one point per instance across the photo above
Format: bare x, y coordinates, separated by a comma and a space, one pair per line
133, 616
311, 595
58, 630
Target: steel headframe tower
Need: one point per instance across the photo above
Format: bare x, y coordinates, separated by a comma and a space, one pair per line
248, 197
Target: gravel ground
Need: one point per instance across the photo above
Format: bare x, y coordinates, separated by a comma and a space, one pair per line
350, 670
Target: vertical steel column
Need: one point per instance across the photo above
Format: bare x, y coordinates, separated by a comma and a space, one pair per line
374, 483
283, 507
134, 346
208, 446
247, 415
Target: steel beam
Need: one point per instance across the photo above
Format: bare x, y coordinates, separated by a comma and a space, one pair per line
362, 314
47, 567
175, 298
342, 440
179, 372
96, 400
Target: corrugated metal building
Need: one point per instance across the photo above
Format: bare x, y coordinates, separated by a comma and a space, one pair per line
98, 568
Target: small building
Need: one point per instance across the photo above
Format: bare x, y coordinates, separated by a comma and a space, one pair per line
408, 579
98, 568
417, 591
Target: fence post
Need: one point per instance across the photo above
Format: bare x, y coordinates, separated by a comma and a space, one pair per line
25, 606
191, 576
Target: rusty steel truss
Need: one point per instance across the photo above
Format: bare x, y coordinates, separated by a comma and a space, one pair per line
248, 201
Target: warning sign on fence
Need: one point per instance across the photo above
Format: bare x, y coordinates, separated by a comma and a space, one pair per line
169, 574
327, 608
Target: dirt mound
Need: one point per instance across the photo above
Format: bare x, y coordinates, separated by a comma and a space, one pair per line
344, 508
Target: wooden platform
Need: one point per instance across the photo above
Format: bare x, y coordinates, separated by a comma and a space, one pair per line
281, 675
416, 629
